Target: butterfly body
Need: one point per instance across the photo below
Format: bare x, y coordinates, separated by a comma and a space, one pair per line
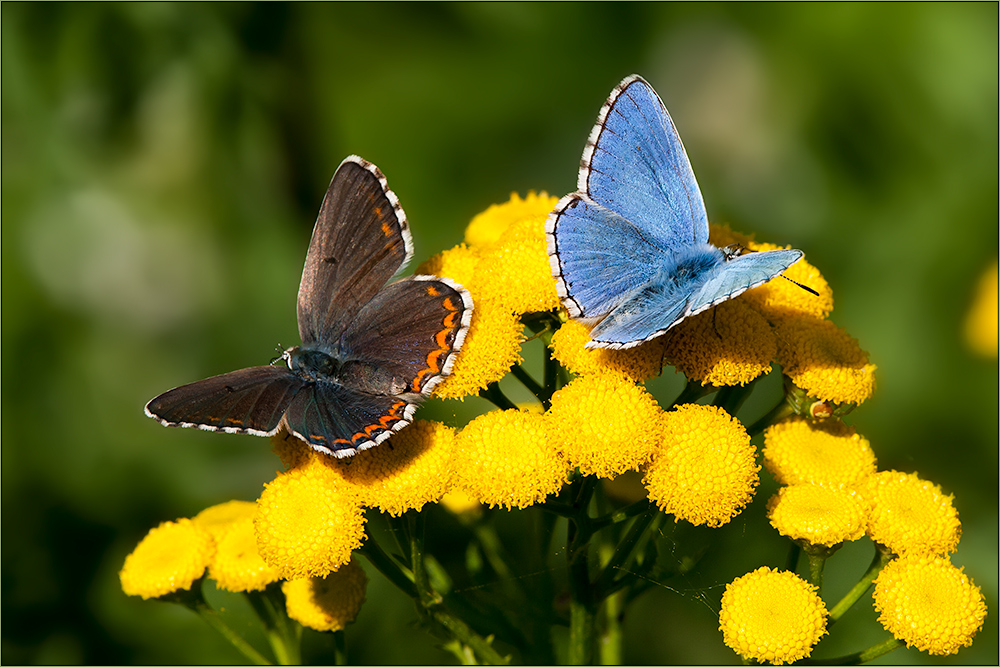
371, 350
629, 250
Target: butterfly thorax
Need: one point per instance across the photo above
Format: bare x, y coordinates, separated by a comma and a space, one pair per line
371, 378
691, 265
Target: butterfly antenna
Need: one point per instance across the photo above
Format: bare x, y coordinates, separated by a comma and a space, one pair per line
281, 354
808, 289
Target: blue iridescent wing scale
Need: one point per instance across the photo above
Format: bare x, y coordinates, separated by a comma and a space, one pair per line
739, 274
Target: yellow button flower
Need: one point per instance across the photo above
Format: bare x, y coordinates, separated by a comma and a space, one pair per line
637, 363
772, 616
461, 503
330, 603
605, 424
824, 360
170, 558
929, 603
782, 298
506, 458
818, 515
911, 516
981, 321
219, 519
487, 227
308, 521
414, 468
730, 344
237, 566
830, 453
704, 470
458, 263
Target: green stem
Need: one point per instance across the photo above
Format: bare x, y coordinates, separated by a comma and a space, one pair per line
493, 394
878, 562
861, 657
532, 385
463, 633
197, 604
339, 648
816, 564
611, 635
777, 413
393, 571
284, 637
692, 391
624, 553
623, 514
581, 632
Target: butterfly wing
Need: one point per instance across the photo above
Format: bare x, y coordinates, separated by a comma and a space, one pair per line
597, 256
251, 400
738, 274
635, 165
340, 421
411, 331
361, 239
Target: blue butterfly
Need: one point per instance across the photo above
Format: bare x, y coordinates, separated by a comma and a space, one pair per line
630, 249
370, 352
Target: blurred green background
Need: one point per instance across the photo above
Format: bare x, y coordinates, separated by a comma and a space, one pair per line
162, 169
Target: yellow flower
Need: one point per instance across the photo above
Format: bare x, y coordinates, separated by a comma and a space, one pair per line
818, 515
491, 347
170, 558
929, 603
292, 451
911, 516
308, 521
800, 451
721, 235
782, 298
605, 424
219, 519
824, 360
637, 363
415, 468
704, 471
729, 344
458, 263
237, 566
515, 271
506, 458
330, 603
487, 227
772, 616
981, 320
461, 503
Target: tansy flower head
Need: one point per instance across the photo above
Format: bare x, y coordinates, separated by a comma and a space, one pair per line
487, 227
327, 603
170, 558
704, 470
605, 424
237, 566
414, 468
981, 321
219, 519
727, 345
460, 502
506, 458
721, 236
824, 360
818, 515
830, 453
515, 272
780, 298
458, 263
771, 616
911, 516
637, 363
929, 603
308, 521
292, 451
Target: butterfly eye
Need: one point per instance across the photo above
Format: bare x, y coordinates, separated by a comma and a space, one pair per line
733, 250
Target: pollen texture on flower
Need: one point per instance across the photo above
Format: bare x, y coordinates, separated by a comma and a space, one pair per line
506, 458
911, 516
929, 603
780, 298
730, 344
414, 468
605, 424
308, 522
219, 519
327, 603
829, 453
772, 616
487, 227
637, 363
818, 515
704, 471
824, 360
458, 263
237, 566
171, 557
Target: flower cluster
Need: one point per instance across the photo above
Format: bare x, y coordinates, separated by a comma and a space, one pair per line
596, 419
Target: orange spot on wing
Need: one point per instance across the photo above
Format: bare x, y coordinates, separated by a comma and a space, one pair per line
386, 227
432, 290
